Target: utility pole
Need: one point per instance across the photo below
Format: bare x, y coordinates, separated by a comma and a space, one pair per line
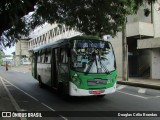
125, 53
20, 52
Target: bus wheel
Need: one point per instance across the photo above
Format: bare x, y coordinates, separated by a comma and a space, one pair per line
100, 96
41, 85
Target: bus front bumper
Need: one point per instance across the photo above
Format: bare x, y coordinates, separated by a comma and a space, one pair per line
74, 91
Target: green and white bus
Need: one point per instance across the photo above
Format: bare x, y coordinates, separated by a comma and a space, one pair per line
78, 66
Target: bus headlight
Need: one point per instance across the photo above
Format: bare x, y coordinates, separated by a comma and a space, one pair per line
76, 80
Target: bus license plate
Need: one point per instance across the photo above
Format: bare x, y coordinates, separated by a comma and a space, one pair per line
97, 92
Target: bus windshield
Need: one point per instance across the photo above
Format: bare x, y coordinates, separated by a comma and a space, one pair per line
92, 56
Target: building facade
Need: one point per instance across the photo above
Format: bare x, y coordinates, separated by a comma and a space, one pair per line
143, 41
21, 55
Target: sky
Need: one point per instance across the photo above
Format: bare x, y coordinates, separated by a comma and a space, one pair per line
8, 51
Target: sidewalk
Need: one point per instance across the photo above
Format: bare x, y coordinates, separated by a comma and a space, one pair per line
5, 102
141, 82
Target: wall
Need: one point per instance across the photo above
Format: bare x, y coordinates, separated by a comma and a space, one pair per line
156, 19
137, 22
148, 43
137, 28
20, 51
155, 64
22, 48
16, 60
140, 17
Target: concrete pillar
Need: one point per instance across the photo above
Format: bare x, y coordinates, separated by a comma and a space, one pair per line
117, 46
155, 63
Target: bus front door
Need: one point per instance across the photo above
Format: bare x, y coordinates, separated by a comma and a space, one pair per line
34, 66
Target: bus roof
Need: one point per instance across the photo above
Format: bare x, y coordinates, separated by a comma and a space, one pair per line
86, 38
64, 41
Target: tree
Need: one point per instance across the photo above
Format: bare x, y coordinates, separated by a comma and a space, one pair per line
11, 12
1, 55
96, 17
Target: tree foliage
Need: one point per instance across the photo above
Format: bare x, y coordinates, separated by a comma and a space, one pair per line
96, 17
11, 24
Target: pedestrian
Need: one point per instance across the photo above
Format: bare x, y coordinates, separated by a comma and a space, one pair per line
6, 66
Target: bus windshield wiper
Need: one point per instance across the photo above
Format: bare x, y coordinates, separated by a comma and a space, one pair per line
91, 62
89, 67
105, 69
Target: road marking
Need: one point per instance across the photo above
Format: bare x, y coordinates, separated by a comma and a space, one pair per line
54, 110
8, 85
141, 90
13, 101
154, 97
22, 90
48, 107
133, 95
23, 110
121, 87
32, 98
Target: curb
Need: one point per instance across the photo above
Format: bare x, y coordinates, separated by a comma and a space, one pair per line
139, 85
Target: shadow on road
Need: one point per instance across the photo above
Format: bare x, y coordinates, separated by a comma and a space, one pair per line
75, 99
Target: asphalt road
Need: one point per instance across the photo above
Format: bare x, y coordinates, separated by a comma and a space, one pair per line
29, 97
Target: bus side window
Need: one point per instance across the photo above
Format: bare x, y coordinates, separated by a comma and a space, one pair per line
63, 55
48, 56
39, 57
43, 58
